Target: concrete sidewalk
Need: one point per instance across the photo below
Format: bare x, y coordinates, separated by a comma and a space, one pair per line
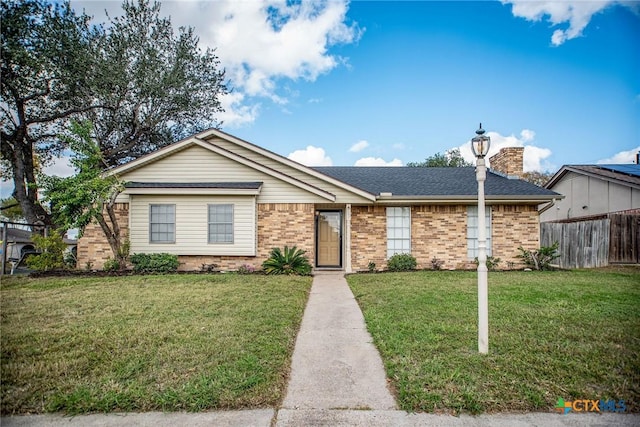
335, 365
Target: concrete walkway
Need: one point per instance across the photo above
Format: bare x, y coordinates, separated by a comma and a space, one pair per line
335, 365
337, 379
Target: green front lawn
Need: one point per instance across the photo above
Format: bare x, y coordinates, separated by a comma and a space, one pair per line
574, 335
176, 342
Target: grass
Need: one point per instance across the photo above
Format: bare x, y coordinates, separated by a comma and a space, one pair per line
170, 343
574, 335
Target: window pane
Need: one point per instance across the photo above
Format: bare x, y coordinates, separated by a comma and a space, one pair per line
220, 223
162, 223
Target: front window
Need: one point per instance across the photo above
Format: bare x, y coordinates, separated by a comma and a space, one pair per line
472, 231
398, 230
220, 223
162, 223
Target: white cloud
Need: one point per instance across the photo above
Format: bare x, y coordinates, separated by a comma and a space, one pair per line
359, 146
622, 157
60, 167
577, 13
311, 156
377, 161
533, 156
258, 42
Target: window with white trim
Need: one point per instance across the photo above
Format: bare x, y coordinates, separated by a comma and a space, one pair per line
221, 223
162, 223
472, 231
398, 230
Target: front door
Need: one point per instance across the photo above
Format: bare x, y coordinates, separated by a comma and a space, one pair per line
329, 239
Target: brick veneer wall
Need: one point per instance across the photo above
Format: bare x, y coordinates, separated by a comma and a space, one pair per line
441, 232
93, 248
368, 237
508, 161
514, 226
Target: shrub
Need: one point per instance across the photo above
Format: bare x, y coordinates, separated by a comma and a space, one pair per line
539, 259
402, 262
289, 261
371, 267
154, 263
436, 264
51, 256
492, 262
246, 269
111, 265
209, 268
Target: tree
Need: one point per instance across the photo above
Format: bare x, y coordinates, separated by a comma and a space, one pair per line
537, 178
141, 85
450, 159
10, 210
89, 195
46, 56
159, 86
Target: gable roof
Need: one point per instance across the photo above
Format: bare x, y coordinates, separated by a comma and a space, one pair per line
203, 140
429, 183
627, 175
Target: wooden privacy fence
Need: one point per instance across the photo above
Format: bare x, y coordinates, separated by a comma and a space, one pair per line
594, 242
582, 244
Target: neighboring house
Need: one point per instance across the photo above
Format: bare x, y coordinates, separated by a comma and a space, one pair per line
20, 244
216, 199
593, 190
598, 221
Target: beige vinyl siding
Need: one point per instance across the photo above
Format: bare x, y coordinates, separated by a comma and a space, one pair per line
342, 196
191, 230
197, 164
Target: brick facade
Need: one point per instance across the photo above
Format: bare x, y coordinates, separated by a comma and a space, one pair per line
514, 226
93, 248
438, 231
368, 237
508, 161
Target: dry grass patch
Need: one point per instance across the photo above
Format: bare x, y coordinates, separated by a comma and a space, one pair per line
171, 343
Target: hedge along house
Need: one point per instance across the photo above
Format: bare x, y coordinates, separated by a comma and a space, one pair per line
216, 199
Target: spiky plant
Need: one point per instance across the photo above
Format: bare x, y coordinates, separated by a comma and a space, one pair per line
288, 261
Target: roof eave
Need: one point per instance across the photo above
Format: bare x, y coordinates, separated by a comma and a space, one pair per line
529, 199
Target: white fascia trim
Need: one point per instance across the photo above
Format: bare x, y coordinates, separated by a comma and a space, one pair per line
288, 162
264, 169
592, 175
193, 191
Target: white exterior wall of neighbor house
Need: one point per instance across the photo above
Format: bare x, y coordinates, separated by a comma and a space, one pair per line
192, 225
586, 196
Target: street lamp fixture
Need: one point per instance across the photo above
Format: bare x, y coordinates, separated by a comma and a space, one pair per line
480, 146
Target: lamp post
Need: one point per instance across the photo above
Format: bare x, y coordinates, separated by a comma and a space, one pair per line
480, 147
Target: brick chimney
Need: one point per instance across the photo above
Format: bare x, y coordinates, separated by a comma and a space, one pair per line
508, 161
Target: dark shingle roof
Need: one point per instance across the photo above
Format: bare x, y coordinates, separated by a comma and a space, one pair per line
430, 182
221, 185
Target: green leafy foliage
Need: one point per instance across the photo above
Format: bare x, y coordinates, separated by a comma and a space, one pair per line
371, 267
10, 210
288, 261
111, 265
51, 256
154, 263
450, 159
492, 262
402, 262
539, 259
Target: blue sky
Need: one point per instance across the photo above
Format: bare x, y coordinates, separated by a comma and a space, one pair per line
373, 83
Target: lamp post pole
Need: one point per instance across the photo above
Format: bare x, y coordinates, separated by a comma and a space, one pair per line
480, 147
